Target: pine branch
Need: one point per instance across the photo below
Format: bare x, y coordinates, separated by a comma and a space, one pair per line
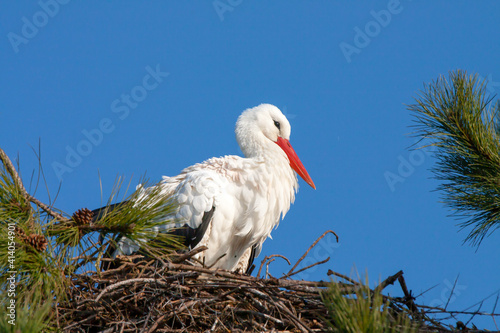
12, 171
457, 118
38, 251
357, 308
19, 185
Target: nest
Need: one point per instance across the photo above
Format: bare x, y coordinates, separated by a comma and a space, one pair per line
179, 297
146, 295
175, 294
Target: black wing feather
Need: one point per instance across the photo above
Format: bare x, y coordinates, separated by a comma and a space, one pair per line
193, 236
251, 266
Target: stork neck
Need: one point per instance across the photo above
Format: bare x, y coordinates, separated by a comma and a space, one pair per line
261, 148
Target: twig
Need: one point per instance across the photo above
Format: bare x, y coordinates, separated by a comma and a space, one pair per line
47, 209
330, 272
408, 297
214, 325
283, 308
260, 314
155, 325
306, 268
189, 254
80, 322
310, 247
143, 330
13, 173
390, 280
267, 268
122, 283
300, 325
216, 261
269, 257
452, 292
474, 314
434, 310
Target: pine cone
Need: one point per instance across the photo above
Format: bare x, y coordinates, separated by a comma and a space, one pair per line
39, 242
83, 216
20, 234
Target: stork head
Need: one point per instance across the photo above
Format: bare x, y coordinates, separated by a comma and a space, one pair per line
260, 130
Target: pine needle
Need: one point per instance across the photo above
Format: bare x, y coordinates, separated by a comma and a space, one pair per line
458, 118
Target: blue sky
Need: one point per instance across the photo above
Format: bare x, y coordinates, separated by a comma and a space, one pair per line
341, 71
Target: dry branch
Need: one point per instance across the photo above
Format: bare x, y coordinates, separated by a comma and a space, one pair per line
310, 248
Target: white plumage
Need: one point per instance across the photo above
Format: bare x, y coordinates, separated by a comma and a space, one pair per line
248, 194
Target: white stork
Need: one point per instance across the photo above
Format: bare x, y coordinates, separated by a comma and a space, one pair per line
231, 204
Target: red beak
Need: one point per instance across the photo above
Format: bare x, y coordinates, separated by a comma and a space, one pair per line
295, 162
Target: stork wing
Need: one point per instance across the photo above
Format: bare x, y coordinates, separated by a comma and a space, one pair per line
191, 235
195, 195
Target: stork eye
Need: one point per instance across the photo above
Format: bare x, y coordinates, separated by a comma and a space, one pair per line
277, 124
